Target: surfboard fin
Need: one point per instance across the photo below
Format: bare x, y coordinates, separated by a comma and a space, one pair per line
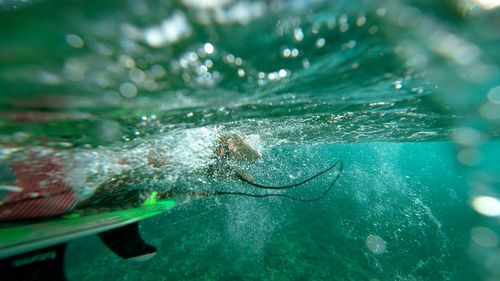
126, 242
40, 265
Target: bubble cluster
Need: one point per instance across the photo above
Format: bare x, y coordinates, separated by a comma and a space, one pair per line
376, 244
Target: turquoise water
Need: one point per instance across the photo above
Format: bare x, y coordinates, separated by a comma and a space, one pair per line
405, 93
389, 199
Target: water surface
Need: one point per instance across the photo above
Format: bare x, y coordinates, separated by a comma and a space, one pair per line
405, 93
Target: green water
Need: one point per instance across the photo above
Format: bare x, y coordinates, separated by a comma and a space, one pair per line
389, 191
405, 93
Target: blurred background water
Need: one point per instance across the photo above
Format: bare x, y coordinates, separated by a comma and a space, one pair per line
405, 93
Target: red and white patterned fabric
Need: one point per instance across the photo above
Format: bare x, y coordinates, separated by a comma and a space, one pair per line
44, 191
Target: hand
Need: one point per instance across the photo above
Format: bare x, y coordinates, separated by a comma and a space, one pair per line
244, 175
239, 149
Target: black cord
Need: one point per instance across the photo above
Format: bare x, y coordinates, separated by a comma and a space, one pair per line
264, 186
332, 184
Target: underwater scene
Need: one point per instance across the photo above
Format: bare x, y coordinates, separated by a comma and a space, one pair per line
299, 139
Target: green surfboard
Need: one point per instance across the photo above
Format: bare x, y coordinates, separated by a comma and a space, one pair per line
27, 237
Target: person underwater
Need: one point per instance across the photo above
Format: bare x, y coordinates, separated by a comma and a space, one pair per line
39, 186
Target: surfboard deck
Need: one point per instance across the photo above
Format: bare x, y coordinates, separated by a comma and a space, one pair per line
23, 238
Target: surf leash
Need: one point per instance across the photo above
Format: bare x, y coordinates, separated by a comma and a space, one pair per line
325, 192
278, 187
238, 193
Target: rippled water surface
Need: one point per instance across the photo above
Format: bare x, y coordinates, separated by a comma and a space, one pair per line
405, 93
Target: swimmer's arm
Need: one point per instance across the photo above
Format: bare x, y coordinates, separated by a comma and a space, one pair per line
157, 159
154, 159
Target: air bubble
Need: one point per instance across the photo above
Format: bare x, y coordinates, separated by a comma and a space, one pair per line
74, 41
484, 237
361, 21
376, 244
487, 205
286, 52
298, 35
208, 48
128, 90
320, 43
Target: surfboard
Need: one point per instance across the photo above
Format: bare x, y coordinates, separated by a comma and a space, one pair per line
16, 239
